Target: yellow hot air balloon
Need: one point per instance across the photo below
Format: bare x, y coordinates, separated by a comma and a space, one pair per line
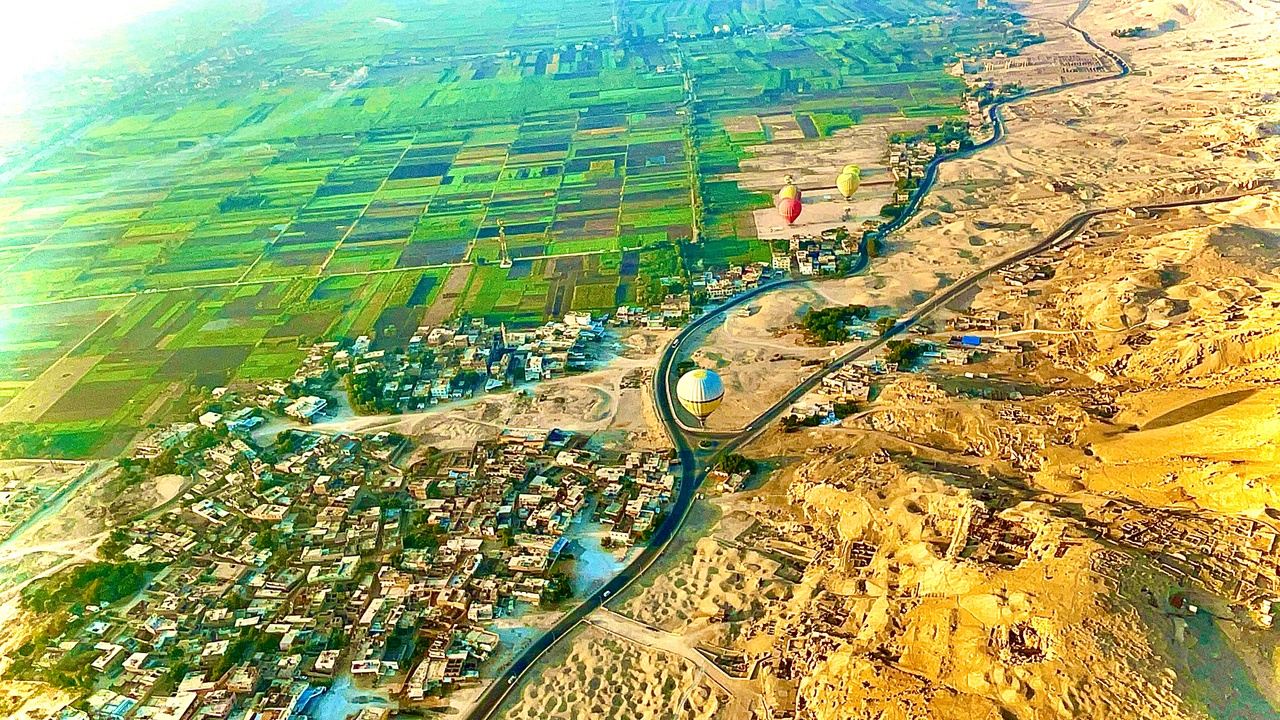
849, 180
700, 392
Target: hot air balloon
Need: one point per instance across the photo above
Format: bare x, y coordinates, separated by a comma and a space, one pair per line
790, 209
788, 201
700, 392
848, 181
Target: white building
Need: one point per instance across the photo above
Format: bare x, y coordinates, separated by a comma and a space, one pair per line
306, 407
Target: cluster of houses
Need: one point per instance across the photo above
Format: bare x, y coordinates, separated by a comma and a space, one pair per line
1025, 272
281, 567
847, 387
1231, 556
732, 281
267, 561
908, 162
439, 364
829, 253
435, 365
985, 320
715, 285
850, 387
974, 114
26, 487
672, 312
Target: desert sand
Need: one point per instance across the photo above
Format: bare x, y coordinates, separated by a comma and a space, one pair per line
605, 676
964, 557
760, 356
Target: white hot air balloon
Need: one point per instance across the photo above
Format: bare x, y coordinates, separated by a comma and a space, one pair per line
700, 392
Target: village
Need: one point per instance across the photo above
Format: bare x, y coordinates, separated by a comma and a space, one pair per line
436, 364
283, 567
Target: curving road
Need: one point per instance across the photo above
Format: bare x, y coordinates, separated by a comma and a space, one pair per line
1063, 235
695, 461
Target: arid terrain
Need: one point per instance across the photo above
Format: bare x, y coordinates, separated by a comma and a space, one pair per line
1081, 523
1109, 144
605, 676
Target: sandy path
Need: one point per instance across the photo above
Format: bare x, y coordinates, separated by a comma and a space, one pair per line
742, 692
607, 677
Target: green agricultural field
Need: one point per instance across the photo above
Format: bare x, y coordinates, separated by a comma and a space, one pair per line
316, 172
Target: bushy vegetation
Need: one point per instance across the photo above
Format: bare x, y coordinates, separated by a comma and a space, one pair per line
734, 463
904, 352
1132, 32
991, 92
791, 423
23, 440
560, 589
939, 134
832, 324
91, 584
423, 536
892, 210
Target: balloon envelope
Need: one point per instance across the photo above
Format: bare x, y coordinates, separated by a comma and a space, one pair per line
847, 184
852, 170
789, 191
789, 209
700, 392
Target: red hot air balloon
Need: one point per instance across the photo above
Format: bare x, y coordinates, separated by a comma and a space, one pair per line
789, 208
787, 201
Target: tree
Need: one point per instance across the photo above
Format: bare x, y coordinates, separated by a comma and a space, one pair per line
559, 588
735, 463
845, 409
423, 536
268, 539
831, 324
904, 352
116, 543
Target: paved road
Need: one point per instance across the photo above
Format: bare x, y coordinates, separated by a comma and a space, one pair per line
1063, 235
683, 421
690, 478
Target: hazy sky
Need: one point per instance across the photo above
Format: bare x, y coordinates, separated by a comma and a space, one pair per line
37, 34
